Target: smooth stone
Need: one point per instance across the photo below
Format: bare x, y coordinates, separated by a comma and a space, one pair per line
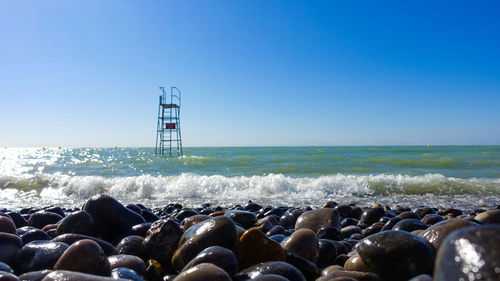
348, 221
40, 255
356, 275
329, 232
432, 219
154, 270
65, 275
450, 211
244, 218
347, 231
371, 215
140, 229
439, 231
390, 223
327, 252
277, 237
372, 229
7, 225
344, 210
273, 267
422, 277
409, 215
303, 242
277, 229
252, 207
7, 276
489, 217
316, 219
9, 245
192, 220
289, 218
111, 219
84, 256
471, 253
35, 235
71, 238
423, 211
355, 263
270, 277
132, 245
408, 254
18, 220
132, 262
203, 272
42, 218
57, 210
162, 240
148, 215
308, 268
185, 213
219, 231
5, 268
340, 278
21, 230
255, 247
265, 224
409, 225
125, 273
331, 268
34, 275
77, 222
219, 256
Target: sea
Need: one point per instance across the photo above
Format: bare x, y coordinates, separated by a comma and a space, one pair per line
436, 176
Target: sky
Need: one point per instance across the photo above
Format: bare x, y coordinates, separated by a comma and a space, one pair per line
252, 73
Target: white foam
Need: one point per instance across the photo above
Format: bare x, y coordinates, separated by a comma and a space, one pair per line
66, 189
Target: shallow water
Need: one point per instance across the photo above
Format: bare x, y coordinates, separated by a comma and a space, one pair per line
459, 176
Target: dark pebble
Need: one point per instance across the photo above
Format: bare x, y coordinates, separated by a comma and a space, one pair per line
219, 256
84, 256
39, 255
77, 222
274, 267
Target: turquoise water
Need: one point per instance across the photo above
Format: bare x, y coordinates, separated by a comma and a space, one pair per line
280, 175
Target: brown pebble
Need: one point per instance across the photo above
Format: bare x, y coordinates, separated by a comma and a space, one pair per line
203, 272
439, 231
64, 275
488, 217
255, 248
7, 225
357, 275
219, 256
316, 219
9, 245
303, 242
84, 256
355, 263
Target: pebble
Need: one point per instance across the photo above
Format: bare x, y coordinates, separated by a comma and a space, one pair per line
71, 238
219, 231
34, 235
255, 247
273, 267
6, 276
316, 219
125, 273
111, 219
371, 215
303, 242
84, 256
470, 253
409, 225
162, 240
439, 231
9, 245
355, 275
128, 261
42, 218
39, 255
204, 272
219, 256
488, 217
397, 255
65, 275
7, 225
327, 253
77, 222
244, 218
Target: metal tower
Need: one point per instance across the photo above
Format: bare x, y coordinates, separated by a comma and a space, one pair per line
168, 132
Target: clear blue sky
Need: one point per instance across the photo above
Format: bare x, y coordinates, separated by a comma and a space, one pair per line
86, 73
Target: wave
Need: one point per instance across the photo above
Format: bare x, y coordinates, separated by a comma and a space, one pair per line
189, 185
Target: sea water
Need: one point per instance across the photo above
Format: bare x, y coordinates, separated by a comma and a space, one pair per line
444, 176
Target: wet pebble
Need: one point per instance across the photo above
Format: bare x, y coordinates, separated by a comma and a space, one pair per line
316, 219
39, 255
162, 240
125, 273
244, 218
203, 272
7, 225
65, 275
488, 217
42, 218
219, 256
111, 219
34, 235
219, 231
371, 215
84, 256
470, 253
408, 254
128, 261
9, 245
77, 222
274, 267
439, 231
71, 238
303, 242
409, 225
255, 247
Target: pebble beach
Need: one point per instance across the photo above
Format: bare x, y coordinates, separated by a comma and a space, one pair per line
107, 240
